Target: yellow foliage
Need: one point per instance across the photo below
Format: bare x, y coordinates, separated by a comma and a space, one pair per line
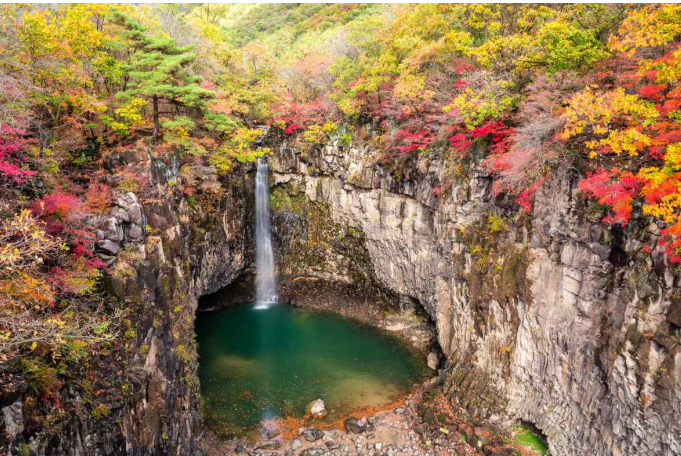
238, 147
651, 25
668, 70
668, 206
595, 112
630, 141
412, 87
475, 106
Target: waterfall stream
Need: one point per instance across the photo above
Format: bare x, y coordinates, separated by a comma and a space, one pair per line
265, 279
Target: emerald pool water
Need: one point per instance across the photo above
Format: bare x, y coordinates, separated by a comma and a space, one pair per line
260, 364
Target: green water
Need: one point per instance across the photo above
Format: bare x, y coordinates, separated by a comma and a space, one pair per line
258, 364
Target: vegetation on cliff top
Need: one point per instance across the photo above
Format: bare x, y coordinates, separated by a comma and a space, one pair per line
525, 92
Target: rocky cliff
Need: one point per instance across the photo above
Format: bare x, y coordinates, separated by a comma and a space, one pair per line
550, 318
164, 251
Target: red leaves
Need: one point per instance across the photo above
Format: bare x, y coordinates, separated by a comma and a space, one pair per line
463, 68
291, 128
655, 194
498, 132
613, 189
670, 240
652, 92
669, 106
11, 143
58, 206
526, 198
298, 116
460, 142
412, 141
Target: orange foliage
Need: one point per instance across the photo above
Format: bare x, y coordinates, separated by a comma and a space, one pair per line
98, 198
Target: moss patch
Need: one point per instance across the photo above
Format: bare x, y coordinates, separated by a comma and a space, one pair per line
527, 437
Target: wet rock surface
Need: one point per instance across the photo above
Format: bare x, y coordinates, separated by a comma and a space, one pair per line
368, 306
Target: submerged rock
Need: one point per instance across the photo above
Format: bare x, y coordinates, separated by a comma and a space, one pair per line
317, 409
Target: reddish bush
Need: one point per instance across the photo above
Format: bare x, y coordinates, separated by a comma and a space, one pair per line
409, 141
58, 206
291, 128
613, 189
98, 198
11, 144
526, 198
652, 92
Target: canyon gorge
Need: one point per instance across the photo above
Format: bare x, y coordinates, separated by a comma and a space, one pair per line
493, 189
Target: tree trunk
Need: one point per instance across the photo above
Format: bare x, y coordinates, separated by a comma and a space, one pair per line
157, 127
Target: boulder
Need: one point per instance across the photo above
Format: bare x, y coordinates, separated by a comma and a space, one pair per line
121, 215
134, 233
352, 425
312, 434
108, 246
111, 229
313, 452
14, 419
296, 444
131, 205
317, 409
273, 433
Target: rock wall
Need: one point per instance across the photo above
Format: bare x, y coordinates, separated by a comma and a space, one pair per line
164, 251
569, 323
191, 252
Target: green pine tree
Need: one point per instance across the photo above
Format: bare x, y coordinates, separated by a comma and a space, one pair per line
157, 70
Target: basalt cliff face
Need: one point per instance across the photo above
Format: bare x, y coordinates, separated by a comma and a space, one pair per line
186, 253
550, 318
164, 251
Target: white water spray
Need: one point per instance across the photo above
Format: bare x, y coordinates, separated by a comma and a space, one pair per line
265, 279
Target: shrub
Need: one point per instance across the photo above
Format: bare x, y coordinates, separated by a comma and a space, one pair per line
98, 198
59, 206
41, 378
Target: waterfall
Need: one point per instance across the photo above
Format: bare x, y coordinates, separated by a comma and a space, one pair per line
265, 283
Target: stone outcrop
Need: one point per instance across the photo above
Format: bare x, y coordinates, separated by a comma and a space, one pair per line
188, 253
163, 253
569, 323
